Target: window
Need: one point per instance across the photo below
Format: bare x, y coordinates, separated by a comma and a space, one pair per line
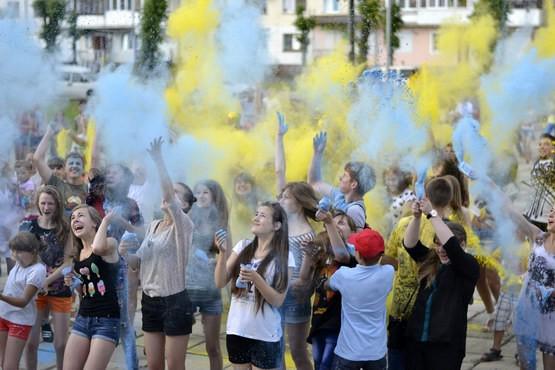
12, 9
289, 6
114, 4
331, 6
129, 4
290, 42
122, 5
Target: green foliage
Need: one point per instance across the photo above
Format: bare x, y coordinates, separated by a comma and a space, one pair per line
52, 13
74, 33
304, 26
154, 13
498, 9
396, 25
371, 18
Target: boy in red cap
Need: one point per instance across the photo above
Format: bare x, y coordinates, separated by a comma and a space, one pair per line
362, 342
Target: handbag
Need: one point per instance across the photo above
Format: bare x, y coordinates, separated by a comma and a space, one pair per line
397, 328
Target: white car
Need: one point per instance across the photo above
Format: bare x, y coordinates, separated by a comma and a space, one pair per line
77, 81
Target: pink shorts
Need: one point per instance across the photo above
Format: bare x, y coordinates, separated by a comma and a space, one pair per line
15, 330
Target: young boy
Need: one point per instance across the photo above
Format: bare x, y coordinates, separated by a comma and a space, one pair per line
362, 340
358, 178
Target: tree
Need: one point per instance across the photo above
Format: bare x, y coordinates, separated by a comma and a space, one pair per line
304, 26
371, 18
498, 9
73, 31
396, 25
52, 13
154, 13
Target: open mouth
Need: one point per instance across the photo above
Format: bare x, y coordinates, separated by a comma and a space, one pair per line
77, 228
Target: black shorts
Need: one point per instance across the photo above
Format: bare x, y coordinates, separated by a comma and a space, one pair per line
172, 315
264, 355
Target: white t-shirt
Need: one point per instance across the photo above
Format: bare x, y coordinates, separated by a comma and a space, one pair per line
18, 279
364, 290
244, 320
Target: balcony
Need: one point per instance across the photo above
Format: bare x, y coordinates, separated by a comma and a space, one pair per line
110, 20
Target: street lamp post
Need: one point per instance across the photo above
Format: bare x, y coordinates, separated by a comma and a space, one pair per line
388, 34
352, 30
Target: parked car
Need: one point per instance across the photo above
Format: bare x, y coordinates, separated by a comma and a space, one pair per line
77, 81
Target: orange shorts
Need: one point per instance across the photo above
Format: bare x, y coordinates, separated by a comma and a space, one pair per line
56, 304
15, 330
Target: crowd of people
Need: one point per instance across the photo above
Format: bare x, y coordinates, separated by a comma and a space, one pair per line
308, 273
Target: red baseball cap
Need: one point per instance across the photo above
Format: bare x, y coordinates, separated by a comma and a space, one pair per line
368, 243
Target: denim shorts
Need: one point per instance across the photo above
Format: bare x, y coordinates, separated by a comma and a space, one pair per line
171, 315
296, 309
106, 328
264, 355
207, 302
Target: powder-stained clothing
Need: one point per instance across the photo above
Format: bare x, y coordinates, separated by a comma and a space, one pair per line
535, 312
163, 255
52, 254
72, 195
440, 310
202, 254
363, 334
406, 278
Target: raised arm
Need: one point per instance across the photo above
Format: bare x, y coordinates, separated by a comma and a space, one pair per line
224, 264
102, 245
39, 157
531, 231
155, 151
183, 224
315, 170
412, 233
340, 252
280, 165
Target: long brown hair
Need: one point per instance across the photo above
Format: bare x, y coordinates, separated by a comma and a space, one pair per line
429, 267
450, 167
456, 199
95, 217
61, 226
219, 200
279, 255
304, 195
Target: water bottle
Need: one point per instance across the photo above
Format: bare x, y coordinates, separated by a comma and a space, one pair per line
239, 283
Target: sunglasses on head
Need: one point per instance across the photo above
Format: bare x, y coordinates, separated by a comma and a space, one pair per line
57, 167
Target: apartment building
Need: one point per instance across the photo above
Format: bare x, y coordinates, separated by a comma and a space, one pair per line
418, 38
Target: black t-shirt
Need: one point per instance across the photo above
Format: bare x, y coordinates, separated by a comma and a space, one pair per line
99, 283
326, 309
52, 253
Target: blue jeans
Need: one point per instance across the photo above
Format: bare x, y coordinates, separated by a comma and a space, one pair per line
323, 345
105, 328
396, 359
127, 330
340, 363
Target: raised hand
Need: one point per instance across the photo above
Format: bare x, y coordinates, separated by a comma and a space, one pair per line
220, 238
425, 206
319, 142
324, 216
282, 125
155, 148
415, 209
